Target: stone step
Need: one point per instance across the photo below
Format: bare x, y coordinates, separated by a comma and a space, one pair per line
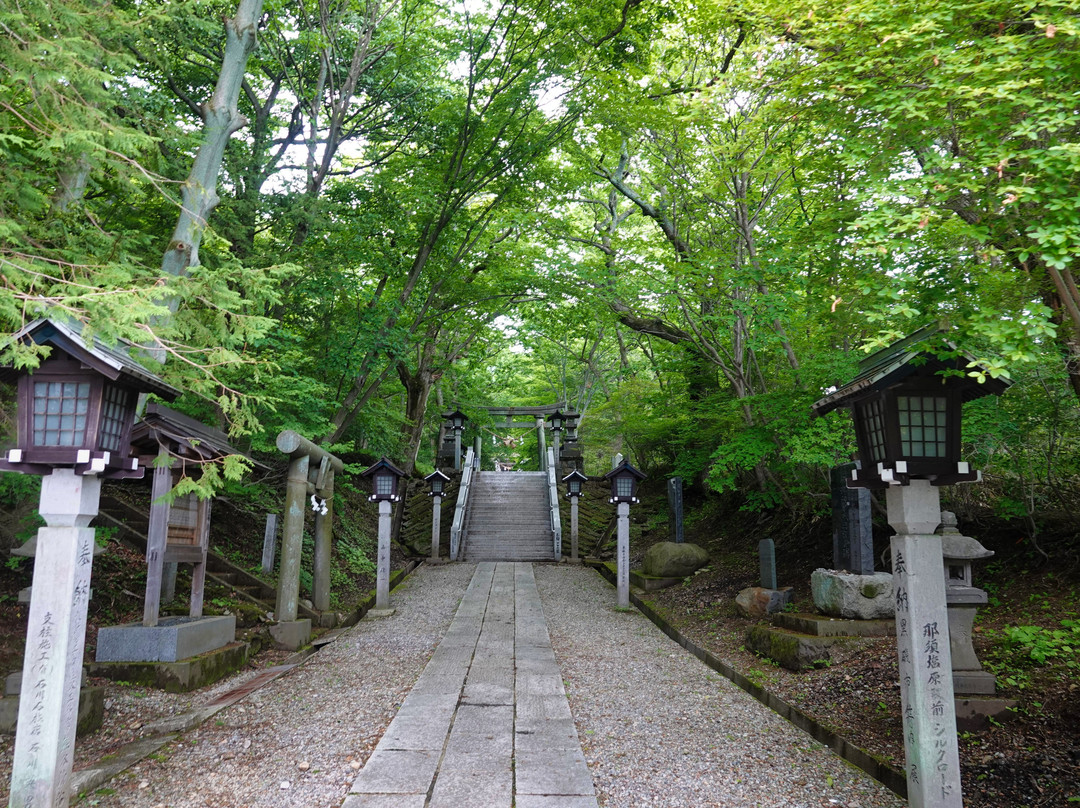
820, 625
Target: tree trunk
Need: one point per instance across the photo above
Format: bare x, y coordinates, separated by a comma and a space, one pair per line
221, 118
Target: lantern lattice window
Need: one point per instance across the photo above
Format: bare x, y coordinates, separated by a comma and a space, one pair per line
873, 417
60, 411
114, 416
922, 425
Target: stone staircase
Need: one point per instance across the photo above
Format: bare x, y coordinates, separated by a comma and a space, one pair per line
508, 518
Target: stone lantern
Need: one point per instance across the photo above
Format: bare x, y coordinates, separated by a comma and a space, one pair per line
574, 481
964, 599
385, 479
456, 424
906, 402
75, 414
77, 408
624, 480
437, 482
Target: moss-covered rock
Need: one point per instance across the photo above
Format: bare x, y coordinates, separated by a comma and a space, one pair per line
667, 559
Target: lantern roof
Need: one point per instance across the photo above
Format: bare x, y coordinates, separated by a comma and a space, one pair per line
382, 464
576, 475
624, 468
113, 363
189, 435
437, 475
912, 356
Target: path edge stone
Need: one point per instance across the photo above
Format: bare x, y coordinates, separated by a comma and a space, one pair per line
886, 775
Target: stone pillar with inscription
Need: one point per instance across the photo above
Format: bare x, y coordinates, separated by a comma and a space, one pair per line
622, 553
436, 526
382, 566
574, 525
922, 640
52, 667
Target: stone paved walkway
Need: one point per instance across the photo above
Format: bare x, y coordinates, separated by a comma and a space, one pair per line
487, 724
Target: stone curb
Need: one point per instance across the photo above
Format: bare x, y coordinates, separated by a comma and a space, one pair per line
90, 778
886, 775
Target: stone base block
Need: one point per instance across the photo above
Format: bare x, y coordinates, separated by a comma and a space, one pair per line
172, 639
823, 626
178, 677
976, 683
377, 613
91, 712
291, 634
756, 602
973, 715
651, 583
796, 652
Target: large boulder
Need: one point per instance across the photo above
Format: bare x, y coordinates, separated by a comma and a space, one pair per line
670, 560
854, 597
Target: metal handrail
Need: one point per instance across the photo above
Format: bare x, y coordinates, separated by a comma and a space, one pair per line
457, 527
553, 504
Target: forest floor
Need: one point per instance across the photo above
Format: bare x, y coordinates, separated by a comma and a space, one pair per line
1032, 759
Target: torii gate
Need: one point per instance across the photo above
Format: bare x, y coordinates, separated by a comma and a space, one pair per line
532, 418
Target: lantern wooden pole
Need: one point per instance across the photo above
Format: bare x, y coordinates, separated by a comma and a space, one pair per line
52, 667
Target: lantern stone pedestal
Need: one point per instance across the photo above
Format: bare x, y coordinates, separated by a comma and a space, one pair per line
52, 668
382, 572
922, 641
622, 532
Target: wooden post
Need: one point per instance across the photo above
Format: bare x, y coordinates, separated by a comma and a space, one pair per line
269, 543
198, 574
157, 536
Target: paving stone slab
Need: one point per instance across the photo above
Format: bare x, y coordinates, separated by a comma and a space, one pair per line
552, 771
385, 801
397, 771
457, 789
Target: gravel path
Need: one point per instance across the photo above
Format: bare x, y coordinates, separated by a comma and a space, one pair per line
300, 740
659, 728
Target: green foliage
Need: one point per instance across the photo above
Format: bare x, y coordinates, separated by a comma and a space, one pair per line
1042, 646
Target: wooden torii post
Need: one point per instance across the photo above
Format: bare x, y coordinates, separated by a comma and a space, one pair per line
311, 473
